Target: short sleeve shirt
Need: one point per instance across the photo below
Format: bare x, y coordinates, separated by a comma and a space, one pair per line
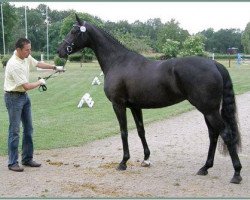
17, 72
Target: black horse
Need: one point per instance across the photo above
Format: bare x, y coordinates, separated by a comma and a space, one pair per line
132, 81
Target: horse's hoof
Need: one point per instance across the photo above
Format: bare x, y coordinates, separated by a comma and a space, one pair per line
202, 172
145, 163
121, 167
236, 179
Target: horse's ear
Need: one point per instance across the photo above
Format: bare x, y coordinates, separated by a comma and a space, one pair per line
78, 19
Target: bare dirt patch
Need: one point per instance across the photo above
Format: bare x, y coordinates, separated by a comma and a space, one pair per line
178, 149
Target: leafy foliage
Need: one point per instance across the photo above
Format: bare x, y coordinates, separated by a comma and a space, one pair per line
130, 41
223, 39
59, 61
71, 19
171, 30
171, 48
9, 21
5, 59
194, 45
245, 41
86, 55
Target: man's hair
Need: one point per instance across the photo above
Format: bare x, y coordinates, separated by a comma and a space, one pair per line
21, 42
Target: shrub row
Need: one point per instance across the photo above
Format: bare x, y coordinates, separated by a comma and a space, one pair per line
89, 56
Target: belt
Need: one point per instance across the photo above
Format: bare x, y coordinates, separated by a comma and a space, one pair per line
15, 92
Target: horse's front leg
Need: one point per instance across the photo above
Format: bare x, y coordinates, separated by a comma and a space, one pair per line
137, 114
120, 112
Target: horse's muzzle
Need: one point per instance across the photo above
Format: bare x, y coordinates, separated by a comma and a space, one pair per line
62, 54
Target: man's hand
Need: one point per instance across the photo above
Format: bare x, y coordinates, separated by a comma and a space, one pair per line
42, 81
59, 68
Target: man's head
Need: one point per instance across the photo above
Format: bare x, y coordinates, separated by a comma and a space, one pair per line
23, 48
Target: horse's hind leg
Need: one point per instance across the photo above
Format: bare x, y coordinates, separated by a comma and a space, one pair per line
137, 114
217, 125
231, 146
120, 112
213, 137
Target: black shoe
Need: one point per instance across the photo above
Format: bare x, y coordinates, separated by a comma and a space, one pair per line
32, 164
15, 168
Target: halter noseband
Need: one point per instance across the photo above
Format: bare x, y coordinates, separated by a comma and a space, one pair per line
70, 46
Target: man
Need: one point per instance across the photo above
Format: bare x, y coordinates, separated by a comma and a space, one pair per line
17, 101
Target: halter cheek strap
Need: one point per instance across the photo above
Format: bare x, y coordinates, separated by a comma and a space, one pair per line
70, 46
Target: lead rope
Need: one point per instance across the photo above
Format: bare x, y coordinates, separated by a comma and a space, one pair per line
43, 88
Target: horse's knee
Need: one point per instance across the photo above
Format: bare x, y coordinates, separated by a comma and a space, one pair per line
124, 135
141, 133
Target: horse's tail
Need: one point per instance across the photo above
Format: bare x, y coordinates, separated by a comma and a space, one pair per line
229, 111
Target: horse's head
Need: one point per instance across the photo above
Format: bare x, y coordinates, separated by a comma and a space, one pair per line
75, 40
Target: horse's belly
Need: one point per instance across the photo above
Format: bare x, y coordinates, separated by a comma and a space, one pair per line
151, 100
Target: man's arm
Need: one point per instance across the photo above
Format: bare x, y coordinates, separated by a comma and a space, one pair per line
30, 86
44, 65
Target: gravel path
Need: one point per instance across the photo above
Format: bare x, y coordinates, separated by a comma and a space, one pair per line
178, 149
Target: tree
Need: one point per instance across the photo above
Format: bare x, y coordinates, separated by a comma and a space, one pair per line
171, 30
226, 38
223, 39
10, 20
148, 29
37, 30
194, 45
210, 42
71, 19
54, 38
140, 45
245, 40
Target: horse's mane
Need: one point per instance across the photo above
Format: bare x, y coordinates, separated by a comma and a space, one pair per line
113, 39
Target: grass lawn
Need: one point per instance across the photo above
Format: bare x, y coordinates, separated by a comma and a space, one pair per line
59, 123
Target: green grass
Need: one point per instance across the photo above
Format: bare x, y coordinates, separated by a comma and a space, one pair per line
59, 123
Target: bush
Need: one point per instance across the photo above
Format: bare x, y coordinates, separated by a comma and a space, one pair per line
86, 55
224, 56
193, 45
59, 61
170, 49
76, 57
37, 55
5, 60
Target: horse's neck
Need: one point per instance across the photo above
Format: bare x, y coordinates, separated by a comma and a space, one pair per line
107, 50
